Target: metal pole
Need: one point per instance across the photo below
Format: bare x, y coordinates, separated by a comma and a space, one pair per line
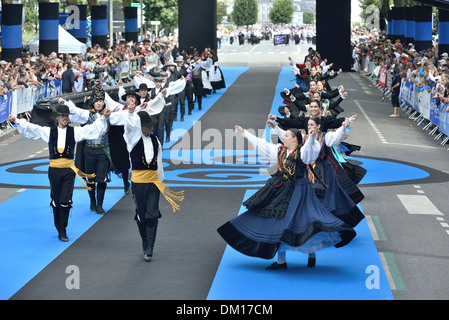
141, 20
111, 23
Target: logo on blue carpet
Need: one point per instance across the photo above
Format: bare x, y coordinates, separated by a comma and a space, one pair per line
214, 168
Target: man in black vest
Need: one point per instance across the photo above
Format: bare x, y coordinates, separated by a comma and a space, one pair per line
182, 71
147, 174
61, 141
158, 119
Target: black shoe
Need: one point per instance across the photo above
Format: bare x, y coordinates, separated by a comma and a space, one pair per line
100, 210
167, 139
175, 119
277, 266
182, 118
311, 263
63, 236
126, 187
190, 113
93, 204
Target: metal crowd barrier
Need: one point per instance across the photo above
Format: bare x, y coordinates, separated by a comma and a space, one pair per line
418, 104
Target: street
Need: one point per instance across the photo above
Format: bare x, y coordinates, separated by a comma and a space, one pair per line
405, 204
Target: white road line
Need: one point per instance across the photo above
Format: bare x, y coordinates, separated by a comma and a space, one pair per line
417, 204
372, 228
381, 137
371, 123
387, 271
413, 145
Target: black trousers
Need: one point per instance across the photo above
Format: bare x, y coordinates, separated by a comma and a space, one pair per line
186, 93
62, 181
96, 161
158, 126
169, 116
146, 198
198, 90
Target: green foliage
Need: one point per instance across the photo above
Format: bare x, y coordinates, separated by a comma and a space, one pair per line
221, 11
245, 12
165, 11
308, 17
282, 12
31, 18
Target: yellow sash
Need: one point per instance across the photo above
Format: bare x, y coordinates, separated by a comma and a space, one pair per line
151, 176
68, 163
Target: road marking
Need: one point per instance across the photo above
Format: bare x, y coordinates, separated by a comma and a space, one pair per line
371, 123
372, 228
381, 137
392, 271
417, 204
377, 232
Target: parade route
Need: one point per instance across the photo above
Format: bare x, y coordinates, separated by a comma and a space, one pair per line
398, 253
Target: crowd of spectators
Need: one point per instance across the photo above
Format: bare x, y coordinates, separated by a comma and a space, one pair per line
108, 66
303, 33
427, 69
74, 70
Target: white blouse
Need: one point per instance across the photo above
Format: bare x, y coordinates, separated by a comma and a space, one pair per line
309, 151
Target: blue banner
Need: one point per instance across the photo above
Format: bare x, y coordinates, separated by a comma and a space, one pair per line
429, 107
5, 106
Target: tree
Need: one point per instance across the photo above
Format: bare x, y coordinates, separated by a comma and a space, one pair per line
165, 11
244, 12
282, 12
308, 17
222, 10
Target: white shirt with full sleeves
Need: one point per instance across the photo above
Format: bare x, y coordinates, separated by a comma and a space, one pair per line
331, 138
35, 132
132, 135
309, 151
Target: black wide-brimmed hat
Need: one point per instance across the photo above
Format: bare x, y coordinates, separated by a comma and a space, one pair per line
130, 93
142, 86
61, 109
145, 119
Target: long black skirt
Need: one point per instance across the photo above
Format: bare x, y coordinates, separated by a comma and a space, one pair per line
307, 227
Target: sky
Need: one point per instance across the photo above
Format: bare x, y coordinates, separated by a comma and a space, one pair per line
355, 11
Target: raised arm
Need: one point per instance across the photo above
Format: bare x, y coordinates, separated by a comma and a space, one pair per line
94, 130
261, 146
30, 130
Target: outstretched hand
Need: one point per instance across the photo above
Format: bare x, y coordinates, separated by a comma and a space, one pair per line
107, 113
238, 129
271, 124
